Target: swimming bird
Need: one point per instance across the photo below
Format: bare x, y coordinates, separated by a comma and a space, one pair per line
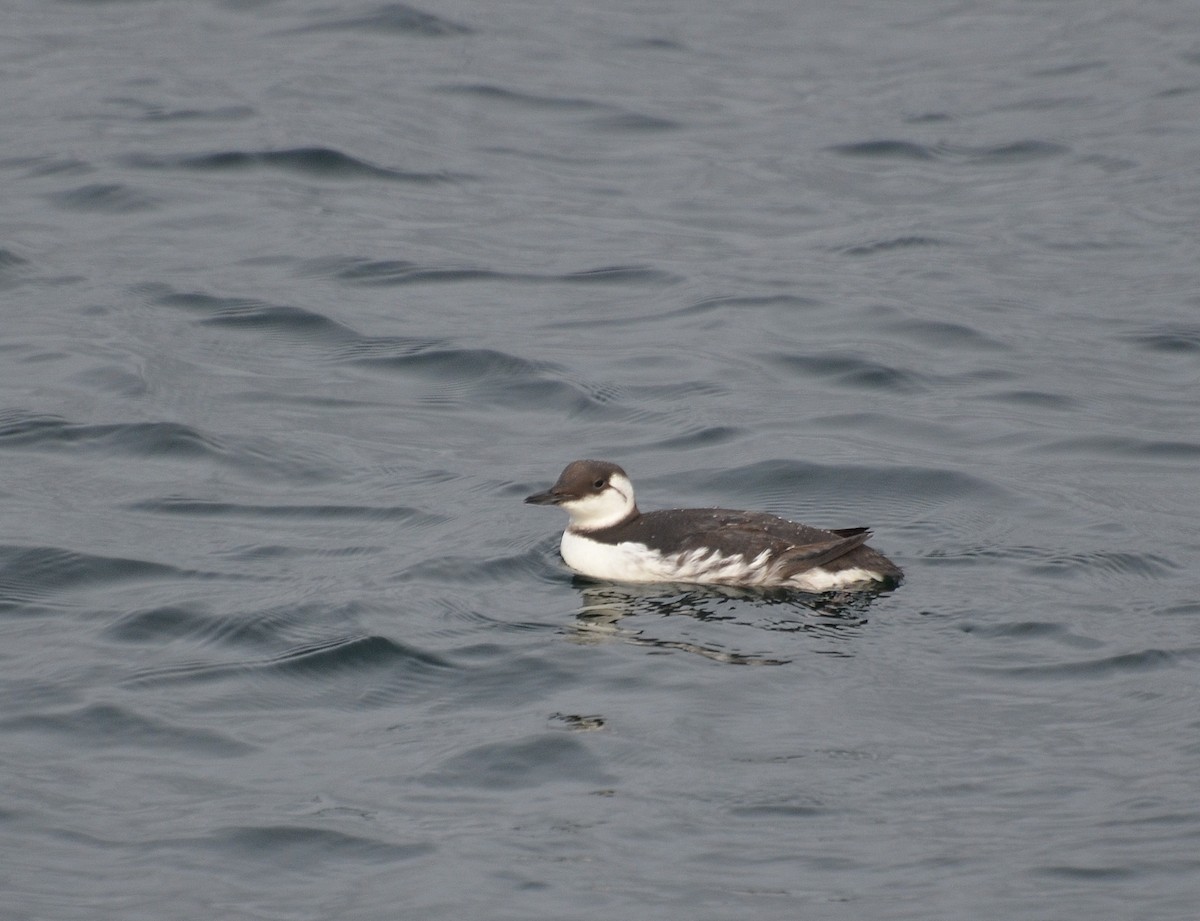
608, 538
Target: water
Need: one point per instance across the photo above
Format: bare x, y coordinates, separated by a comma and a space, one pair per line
300, 300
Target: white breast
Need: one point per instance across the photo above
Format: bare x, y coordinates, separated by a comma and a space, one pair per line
618, 562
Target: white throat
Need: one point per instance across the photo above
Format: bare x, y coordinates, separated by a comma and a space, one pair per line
602, 509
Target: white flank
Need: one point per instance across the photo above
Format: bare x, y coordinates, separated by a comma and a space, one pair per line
822, 580
633, 562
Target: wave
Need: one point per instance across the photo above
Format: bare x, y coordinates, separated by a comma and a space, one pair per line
294, 846
388, 272
106, 198
24, 429
532, 762
321, 162
181, 505
246, 313
1169, 338
32, 575
394, 18
1099, 447
492, 93
1102, 666
851, 370
105, 726
891, 149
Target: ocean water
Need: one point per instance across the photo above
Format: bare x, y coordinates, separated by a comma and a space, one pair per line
299, 301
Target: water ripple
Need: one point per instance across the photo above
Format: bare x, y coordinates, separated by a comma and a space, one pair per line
1123, 446
1145, 565
98, 726
254, 316
1169, 338
32, 574
455, 363
700, 436
851, 370
648, 616
323, 162
1079, 874
174, 622
1103, 667
910, 241
10, 260
505, 569
292, 846
256, 637
495, 93
890, 149
634, 121
1044, 561
154, 112
478, 377
156, 441
785, 478
180, 505
21, 429
885, 150
247, 313
109, 198
1037, 399
1030, 630
946, 335
387, 272
396, 18
355, 654
279, 657
606, 117
552, 757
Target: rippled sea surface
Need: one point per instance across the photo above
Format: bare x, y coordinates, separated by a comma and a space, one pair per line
299, 301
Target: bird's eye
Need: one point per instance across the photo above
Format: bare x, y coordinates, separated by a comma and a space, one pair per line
599, 484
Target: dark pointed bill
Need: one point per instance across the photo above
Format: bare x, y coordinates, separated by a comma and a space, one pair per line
544, 498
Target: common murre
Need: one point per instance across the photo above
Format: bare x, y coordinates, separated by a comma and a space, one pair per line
609, 538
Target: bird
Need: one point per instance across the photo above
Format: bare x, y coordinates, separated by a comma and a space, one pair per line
608, 538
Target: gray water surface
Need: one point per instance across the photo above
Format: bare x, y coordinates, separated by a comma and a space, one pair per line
299, 300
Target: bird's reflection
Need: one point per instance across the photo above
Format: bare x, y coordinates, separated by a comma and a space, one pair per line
835, 615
